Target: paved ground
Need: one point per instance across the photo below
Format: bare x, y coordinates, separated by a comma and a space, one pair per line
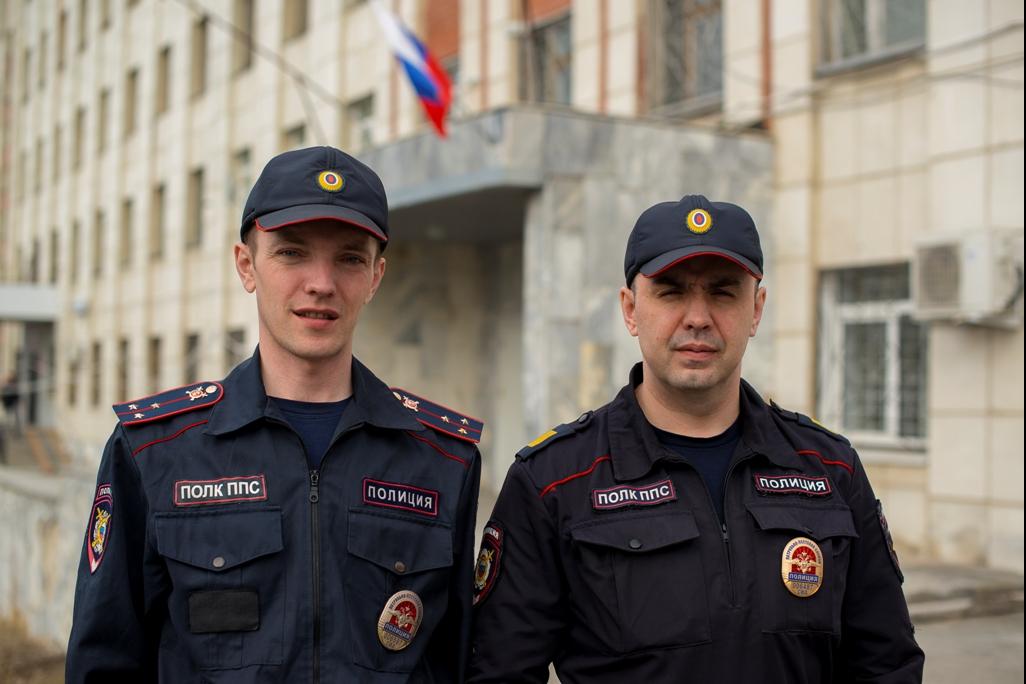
986, 650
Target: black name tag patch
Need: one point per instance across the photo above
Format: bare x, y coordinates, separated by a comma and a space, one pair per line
792, 484
402, 496
221, 490
626, 495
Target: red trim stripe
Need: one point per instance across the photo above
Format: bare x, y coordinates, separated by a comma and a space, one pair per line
437, 448
549, 487
826, 461
168, 439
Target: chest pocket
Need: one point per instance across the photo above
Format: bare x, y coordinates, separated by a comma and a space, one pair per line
387, 554
641, 578
832, 528
227, 600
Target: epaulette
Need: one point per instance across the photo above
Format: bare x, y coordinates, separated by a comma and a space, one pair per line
805, 421
553, 435
441, 418
169, 403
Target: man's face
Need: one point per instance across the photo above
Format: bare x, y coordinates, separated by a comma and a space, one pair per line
311, 280
693, 322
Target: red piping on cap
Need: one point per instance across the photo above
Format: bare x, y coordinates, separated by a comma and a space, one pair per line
696, 254
376, 234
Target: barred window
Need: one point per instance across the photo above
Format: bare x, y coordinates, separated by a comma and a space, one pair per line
856, 30
685, 55
872, 357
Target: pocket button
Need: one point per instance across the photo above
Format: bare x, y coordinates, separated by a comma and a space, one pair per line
634, 544
218, 562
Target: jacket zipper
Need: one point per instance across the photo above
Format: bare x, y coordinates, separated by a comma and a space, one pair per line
315, 542
724, 534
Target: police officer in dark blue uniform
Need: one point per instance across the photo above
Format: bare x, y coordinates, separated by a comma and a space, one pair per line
298, 521
688, 531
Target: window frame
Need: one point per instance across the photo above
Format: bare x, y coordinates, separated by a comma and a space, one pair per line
834, 315
830, 37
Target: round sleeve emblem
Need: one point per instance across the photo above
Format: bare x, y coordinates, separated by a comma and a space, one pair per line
801, 567
699, 221
400, 620
331, 181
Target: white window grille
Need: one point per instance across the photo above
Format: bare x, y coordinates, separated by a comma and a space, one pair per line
872, 358
859, 31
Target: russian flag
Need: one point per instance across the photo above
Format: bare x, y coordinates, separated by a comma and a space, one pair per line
428, 78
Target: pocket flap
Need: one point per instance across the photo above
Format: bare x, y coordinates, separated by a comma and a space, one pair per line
638, 534
218, 541
398, 544
818, 522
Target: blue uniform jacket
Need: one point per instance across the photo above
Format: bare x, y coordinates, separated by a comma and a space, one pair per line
215, 554
605, 556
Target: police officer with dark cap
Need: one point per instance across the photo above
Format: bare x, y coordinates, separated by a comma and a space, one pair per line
298, 521
688, 531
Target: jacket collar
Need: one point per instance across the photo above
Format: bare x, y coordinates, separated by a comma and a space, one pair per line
246, 402
635, 449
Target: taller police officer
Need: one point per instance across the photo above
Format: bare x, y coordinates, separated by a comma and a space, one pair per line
687, 531
299, 521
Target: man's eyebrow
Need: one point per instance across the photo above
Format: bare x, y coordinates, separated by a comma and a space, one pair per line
725, 281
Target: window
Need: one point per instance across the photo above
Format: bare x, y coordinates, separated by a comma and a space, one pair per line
122, 382
192, 353
294, 19
41, 77
26, 75
162, 91
98, 230
83, 24
37, 181
546, 54
234, 348
96, 378
79, 144
74, 366
360, 123
157, 211
242, 46
198, 66
293, 138
855, 31
62, 33
685, 55
58, 151
872, 358
104, 14
242, 174
153, 350
101, 120
194, 209
131, 96
125, 239
75, 251
54, 251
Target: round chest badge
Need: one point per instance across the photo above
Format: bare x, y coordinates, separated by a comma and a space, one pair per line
330, 181
801, 567
699, 221
400, 620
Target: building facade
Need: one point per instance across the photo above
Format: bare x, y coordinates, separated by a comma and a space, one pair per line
856, 131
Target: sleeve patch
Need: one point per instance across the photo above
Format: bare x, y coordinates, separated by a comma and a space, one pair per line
440, 418
889, 540
169, 403
488, 566
101, 519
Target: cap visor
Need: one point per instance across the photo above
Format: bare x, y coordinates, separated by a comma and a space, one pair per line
318, 212
670, 259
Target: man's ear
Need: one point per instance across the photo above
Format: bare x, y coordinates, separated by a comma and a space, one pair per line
760, 304
379, 273
244, 266
628, 303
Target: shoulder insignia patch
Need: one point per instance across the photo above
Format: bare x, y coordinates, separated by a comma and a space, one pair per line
169, 403
550, 436
805, 421
440, 418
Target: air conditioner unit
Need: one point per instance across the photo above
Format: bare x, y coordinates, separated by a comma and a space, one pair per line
972, 278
